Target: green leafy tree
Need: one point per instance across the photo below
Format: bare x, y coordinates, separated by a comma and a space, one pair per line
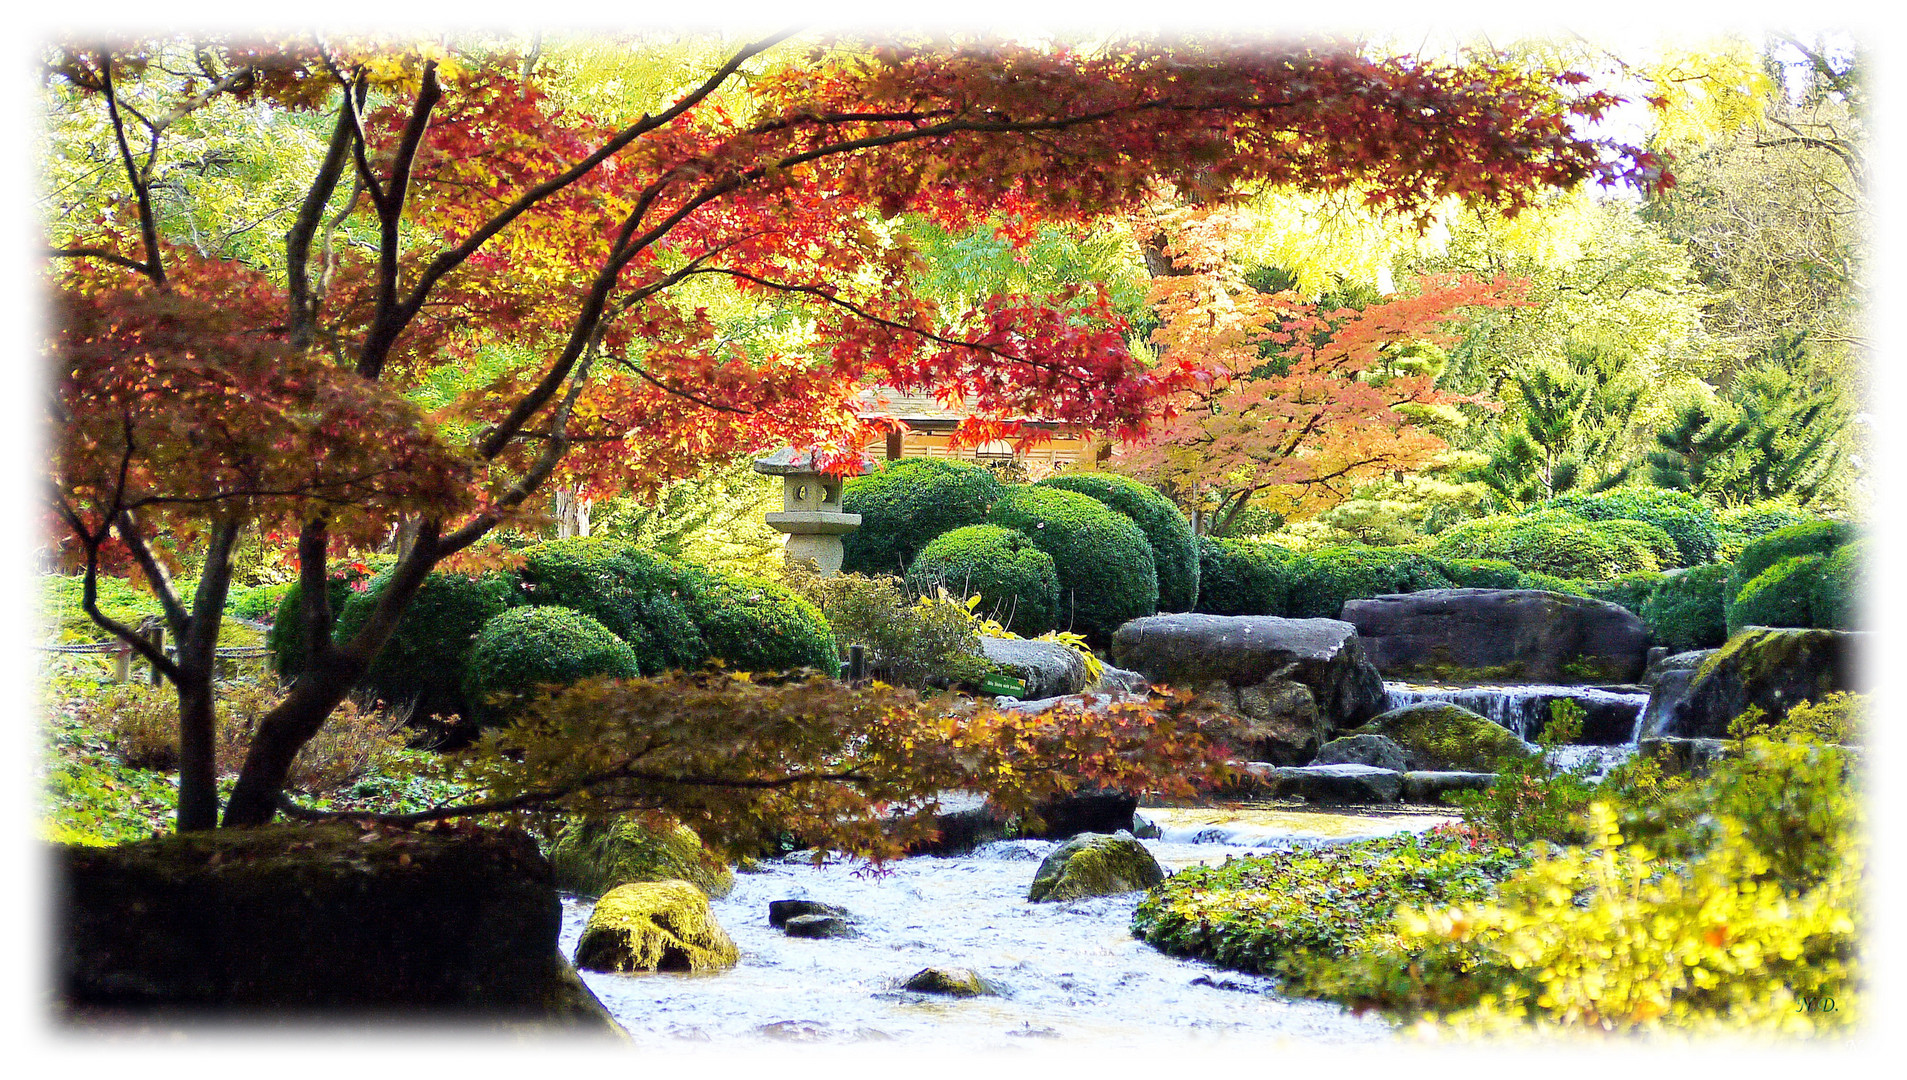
1568, 429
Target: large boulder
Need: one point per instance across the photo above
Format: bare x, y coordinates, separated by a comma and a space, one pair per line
654, 926
316, 921
1345, 783
1441, 736
1091, 811
1459, 636
1049, 669
1094, 864
594, 855
1764, 667
1294, 681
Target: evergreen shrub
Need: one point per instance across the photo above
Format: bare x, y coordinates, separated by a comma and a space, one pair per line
1242, 577
906, 503
1323, 580
1740, 526
1015, 580
1175, 553
1688, 609
1631, 591
1481, 573
1836, 602
641, 597
527, 647
1689, 522
1103, 560
286, 638
1557, 543
425, 656
1808, 538
755, 625
1781, 595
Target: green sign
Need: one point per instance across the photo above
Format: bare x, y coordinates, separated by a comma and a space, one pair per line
1003, 684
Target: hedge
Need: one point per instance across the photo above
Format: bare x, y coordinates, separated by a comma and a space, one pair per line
1481, 573
1742, 525
1175, 553
1688, 609
1781, 595
1631, 591
286, 638
905, 504
1808, 538
1016, 581
640, 597
1242, 577
424, 659
1103, 560
755, 625
1690, 524
1323, 580
1836, 603
1557, 543
527, 647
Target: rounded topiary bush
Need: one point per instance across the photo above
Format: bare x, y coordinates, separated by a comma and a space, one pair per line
754, 625
286, 638
1688, 609
1175, 553
1550, 583
1690, 524
641, 597
1631, 591
1323, 580
1743, 525
1481, 573
1808, 538
425, 656
1103, 561
1015, 580
1557, 543
1836, 603
906, 503
528, 647
1240, 577
1781, 595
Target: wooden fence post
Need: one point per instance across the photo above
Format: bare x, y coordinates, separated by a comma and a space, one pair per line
157, 635
122, 663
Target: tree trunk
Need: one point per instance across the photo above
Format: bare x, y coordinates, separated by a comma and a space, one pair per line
198, 641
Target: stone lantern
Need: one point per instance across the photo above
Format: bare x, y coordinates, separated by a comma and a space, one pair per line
810, 509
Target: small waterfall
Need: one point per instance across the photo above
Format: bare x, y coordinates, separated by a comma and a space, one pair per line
1609, 715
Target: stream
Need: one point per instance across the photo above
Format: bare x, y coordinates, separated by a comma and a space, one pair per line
1070, 971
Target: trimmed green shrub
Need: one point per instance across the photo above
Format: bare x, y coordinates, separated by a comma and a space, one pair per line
641, 597
1323, 580
1689, 523
1778, 596
1175, 553
906, 503
1688, 609
1740, 526
286, 638
425, 656
1836, 602
1481, 573
755, 625
1660, 545
1103, 560
1015, 580
1551, 583
1241, 577
1556, 542
1808, 538
1631, 591
528, 647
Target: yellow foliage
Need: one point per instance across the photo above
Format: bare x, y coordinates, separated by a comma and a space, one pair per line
654, 926
1707, 91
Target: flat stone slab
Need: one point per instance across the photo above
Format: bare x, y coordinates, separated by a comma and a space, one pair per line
1329, 783
1500, 635
1426, 786
1194, 651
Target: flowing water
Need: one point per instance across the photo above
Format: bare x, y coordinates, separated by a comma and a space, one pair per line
1070, 971
1610, 714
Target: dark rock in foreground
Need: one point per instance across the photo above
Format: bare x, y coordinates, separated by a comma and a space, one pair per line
780, 911
1461, 636
317, 923
1679, 756
818, 926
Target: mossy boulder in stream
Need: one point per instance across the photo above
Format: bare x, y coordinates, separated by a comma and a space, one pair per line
316, 922
1095, 864
594, 855
654, 926
1767, 668
1441, 736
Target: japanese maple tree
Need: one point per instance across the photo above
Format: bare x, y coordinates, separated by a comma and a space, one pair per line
457, 212
1293, 398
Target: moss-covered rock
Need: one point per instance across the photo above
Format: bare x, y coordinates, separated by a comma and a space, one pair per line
1447, 737
317, 921
654, 926
953, 982
1095, 864
1767, 668
594, 855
